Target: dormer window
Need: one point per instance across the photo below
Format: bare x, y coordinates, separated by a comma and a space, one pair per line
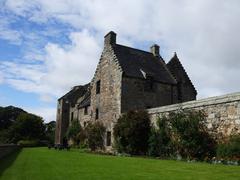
98, 85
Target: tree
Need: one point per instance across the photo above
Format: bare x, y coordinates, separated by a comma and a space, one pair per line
8, 116
27, 127
190, 135
50, 131
131, 132
160, 139
95, 133
73, 131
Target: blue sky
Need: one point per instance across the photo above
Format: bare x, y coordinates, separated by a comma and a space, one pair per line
46, 47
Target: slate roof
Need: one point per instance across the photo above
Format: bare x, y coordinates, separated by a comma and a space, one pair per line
134, 62
177, 69
75, 93
86, 100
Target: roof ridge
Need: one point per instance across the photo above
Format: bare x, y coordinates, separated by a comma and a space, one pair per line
134, 49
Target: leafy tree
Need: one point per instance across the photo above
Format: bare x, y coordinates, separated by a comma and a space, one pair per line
190, 135
27, 127
131, 132
160, 139
8, 116
73, 131
95, 133
50, 131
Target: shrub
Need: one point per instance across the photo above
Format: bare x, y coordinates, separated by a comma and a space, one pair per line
231, 149
131, 132
73, 132
28, 143
160, 140
190, 136
95, 133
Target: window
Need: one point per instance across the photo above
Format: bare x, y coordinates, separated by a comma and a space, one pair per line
71, 116
108, 138
179, 90
84, 124
85, 110
97, 114
98, 84
148, 86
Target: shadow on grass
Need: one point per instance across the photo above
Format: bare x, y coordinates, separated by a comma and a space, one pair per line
7, 161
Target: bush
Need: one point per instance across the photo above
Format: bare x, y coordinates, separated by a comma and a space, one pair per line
160, 140
131, 132
73, 132
231, 149
190, 136
28, 143
95, 133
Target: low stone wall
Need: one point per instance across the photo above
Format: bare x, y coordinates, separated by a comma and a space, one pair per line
6, 149
222, 113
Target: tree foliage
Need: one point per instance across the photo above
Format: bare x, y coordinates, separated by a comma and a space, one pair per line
160, 139
8, 116
131, 132
95, 133
27, 127
50, 131
16, 124
73, 131
230, 149
190, 136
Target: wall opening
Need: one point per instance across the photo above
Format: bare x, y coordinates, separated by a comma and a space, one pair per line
97, 114
98, 85
108, 138
71, 116
85, 110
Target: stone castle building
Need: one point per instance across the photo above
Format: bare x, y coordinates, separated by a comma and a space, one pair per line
125, 79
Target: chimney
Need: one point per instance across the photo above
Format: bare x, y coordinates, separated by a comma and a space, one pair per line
155, 50
110, 38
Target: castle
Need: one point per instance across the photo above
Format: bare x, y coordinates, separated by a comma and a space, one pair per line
125, 79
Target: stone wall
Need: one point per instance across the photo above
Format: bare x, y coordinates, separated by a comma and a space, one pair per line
222, 113
62, 120
6, 149
136, 96
108, 100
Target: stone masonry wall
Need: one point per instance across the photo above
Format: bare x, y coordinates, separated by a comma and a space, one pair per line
62, 120
222, 113
135, 97
109, 99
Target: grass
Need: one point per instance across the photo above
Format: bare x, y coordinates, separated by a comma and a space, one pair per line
41, 163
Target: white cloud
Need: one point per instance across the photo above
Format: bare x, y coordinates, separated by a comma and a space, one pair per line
203, 32
60, 69
9, 34
47, 113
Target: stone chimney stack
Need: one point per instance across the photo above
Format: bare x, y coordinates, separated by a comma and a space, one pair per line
155, 50
110, 38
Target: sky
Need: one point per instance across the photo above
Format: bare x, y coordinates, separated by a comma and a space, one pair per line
47, 47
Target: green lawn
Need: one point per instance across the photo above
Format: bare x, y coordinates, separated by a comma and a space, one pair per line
41, 163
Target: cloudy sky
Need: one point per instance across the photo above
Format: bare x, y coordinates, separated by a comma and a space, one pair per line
48, 46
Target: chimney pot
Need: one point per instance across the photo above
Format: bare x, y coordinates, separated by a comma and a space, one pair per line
155, 50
